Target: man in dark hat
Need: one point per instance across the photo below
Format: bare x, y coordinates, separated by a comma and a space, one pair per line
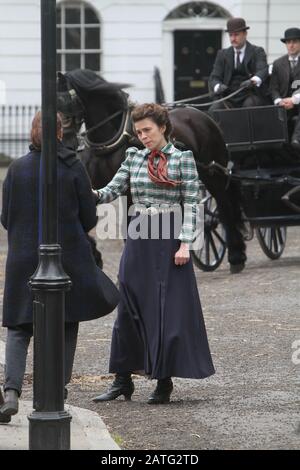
285, 82
242, 64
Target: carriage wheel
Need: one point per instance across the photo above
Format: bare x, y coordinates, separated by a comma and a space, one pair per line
211, 255
272, 240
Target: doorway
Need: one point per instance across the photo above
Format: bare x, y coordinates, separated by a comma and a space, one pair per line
194, 55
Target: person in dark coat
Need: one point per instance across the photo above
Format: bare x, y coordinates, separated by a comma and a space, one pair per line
241, 64
20, 217
159, 330
285, 81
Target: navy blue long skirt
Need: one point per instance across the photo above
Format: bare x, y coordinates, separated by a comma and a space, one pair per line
159, 330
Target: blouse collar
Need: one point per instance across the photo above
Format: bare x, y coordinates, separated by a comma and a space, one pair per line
168, 148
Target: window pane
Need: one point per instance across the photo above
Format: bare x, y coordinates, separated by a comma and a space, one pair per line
90, 16
58, 38
58, 15
72, 61
92, 62
73, 38
58, 62
73, 16
92, 38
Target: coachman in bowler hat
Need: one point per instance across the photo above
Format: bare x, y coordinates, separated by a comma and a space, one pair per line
235, 25
291, 34
241, 68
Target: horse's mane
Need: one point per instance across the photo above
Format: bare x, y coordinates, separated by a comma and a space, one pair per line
84, 80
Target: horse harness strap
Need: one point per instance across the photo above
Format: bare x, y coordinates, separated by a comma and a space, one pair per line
117, 141
105, 121
182, 104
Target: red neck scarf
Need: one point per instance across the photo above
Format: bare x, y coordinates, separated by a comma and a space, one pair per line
159, 175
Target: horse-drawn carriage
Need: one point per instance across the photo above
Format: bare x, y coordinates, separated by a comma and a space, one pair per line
250, 173
266, 169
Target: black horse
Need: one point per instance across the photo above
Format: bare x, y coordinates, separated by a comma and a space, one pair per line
104, 108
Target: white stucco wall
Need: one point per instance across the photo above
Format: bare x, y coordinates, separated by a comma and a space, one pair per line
268, 20
20, 50
2, 92
134, 40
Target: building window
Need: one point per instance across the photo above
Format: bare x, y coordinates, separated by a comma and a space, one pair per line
198, 10
78, 37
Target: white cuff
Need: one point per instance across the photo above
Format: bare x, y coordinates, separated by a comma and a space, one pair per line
296, 98
258, 80
216, 87
277, 101
99, 195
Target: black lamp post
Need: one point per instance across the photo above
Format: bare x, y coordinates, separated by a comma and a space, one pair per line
49, 424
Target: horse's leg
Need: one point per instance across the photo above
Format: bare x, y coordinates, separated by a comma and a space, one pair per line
230, 216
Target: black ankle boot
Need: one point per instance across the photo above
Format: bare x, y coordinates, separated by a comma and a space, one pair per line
122, 385
4, 419
11, 402
162, 392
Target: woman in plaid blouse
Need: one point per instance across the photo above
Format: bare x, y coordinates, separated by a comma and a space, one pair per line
159, 330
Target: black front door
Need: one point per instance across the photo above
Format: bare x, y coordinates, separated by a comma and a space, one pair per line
195, 53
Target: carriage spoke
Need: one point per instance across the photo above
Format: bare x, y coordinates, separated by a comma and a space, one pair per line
211, 255
272, 240
214, 248
207, 257
269, 232
222, 240
275, 242
209, 212
279, 233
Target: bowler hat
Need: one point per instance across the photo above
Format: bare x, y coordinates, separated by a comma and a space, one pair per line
234, 25
291, 33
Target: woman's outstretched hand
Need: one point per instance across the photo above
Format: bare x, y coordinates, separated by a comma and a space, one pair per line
182, 256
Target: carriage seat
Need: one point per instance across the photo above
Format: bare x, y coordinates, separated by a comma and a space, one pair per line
253, 128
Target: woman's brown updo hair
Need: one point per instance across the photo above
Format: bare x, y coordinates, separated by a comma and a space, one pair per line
36, 130
159, 114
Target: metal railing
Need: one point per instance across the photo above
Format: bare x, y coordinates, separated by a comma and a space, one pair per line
15, 125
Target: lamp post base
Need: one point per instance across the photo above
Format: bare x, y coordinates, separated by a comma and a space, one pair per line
49, 430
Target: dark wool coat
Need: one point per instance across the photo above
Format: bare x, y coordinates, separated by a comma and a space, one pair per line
255, 63
77, 215
281, 78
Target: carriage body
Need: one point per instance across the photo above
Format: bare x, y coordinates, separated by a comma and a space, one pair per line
266, 170
265, 165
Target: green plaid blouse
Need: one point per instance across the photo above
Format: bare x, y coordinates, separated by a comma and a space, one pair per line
133, 172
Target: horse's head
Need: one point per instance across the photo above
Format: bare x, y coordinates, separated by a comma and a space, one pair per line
68, 101
83, 95
71, 108
75, 88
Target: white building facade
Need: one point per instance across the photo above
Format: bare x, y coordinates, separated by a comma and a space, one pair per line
125, 40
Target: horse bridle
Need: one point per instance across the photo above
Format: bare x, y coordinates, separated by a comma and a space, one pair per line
101, 123
116, 141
